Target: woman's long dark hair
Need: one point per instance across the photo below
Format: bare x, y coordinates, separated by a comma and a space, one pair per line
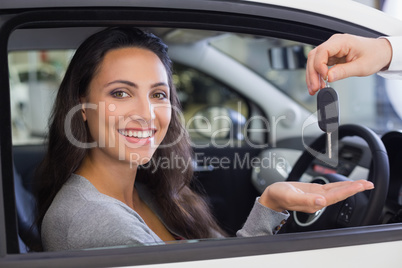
183, 209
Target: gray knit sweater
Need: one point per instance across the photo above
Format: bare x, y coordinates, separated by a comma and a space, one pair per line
81, 217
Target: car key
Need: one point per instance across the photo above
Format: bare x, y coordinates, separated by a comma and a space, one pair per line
328, 113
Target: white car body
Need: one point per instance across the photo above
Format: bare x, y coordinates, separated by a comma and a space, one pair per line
347, 10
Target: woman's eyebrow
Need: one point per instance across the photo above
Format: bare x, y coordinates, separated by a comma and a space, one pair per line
160, 84
129, 83
134, 85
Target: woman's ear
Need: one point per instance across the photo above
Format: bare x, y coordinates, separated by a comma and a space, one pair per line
83, 101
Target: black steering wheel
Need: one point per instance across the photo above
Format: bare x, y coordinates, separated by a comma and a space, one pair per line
361, 209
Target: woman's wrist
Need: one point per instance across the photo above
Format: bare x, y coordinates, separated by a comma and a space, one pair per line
269, 202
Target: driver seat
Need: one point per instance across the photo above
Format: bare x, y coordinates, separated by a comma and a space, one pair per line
25, 206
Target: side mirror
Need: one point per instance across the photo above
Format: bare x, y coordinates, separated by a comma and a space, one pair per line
289, 57
219, 123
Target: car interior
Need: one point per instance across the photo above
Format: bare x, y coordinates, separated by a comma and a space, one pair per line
249, 69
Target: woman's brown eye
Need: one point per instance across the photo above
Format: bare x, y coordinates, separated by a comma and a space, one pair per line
120, 94
159, 96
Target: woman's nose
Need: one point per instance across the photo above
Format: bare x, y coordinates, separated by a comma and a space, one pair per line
143, 110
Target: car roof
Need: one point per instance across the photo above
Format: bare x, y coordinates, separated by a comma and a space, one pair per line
345, 10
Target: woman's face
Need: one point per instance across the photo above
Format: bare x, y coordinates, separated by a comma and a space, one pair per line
133, 111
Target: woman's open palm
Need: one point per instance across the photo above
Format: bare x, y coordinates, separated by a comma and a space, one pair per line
310, 197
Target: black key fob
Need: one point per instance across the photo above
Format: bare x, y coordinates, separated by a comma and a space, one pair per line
328, 110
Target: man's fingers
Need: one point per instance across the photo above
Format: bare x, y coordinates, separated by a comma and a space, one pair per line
344, 70
331, 52
311, 75
315, 73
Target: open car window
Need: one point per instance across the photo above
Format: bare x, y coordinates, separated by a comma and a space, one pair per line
35, 76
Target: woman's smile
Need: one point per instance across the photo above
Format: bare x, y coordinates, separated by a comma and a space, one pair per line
135, 135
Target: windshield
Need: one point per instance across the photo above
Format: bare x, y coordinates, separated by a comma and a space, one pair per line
371, 101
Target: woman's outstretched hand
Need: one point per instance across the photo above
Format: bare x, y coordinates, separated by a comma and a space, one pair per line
310, 197
352, 56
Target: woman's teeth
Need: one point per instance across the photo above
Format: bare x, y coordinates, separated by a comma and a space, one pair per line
137, 134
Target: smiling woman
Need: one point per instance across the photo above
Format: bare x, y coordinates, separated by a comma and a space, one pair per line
127, 71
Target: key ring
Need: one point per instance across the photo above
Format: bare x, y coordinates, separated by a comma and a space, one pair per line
325, 81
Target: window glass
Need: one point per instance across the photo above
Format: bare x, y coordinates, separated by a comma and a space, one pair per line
34, 79
200, 95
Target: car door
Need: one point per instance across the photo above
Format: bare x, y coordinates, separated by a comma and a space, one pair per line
229, 190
